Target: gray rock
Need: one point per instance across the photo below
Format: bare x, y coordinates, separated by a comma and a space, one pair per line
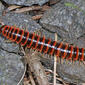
67, 70
8, 46
11, 68
1, 8
72, 72
17, 20
26, 2
81, 42
20, 20
68, 22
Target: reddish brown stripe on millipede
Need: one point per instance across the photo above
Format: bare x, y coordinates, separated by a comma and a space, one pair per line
45, 48
33, 41
9, 33
77, 51
52, 50
4, 32
31, 36
21, 32
24, 41
82, 56
58, 51
41, 46
71, 50
35, 44
12, 35
64, 54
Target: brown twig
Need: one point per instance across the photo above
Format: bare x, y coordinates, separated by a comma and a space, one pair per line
36, 67
37, 17
45, 7
57, 76
25, 9
52, 2
12, 7
31, 79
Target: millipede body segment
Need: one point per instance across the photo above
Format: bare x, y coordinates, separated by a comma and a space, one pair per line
30, 40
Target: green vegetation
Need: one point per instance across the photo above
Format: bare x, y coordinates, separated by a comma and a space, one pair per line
74, 6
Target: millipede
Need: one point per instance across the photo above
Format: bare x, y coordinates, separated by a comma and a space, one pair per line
30, 40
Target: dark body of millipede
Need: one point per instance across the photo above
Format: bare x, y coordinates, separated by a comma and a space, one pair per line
30, 40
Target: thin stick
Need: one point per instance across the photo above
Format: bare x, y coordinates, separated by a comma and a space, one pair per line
36, 67
25, 9
31, 79
12, 7
37, 17
55, 59
22, 76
